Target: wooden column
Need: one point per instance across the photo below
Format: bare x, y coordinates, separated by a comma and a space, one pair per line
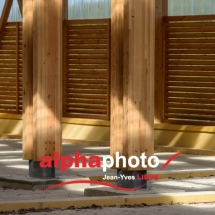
161, 11
42, 78
27, 80
47, 76
132, 121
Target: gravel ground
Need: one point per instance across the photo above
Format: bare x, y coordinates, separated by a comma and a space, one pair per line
20, 195
192, 209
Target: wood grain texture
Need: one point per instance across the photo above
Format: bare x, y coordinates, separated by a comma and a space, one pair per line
47, 77
139, 55
4, 17
27, 136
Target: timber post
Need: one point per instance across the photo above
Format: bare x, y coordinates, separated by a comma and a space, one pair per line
132, 89
42, 113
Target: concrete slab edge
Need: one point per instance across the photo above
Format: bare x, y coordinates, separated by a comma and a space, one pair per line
160, 148
164, 199
12, 183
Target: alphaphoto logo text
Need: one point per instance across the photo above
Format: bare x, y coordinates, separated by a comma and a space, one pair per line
95, 161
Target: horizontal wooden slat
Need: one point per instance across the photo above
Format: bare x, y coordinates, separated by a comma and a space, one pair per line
191, 100
99, 36
85, 52
191, 95
190, 122
87, 106
87, 71
87, 86
189, 89
190, 83
88, 31
190, 73
190, 35
84, 76
190, 62
86, 116
197, 68
189, 18
86, 101
196, 41
80, 96
101, 66
87, 21
196, 112
84, 27
90, 46
186, 30
192, 79
97, 92
95, 41
8, 52
191, 51
89, 111
191, 46
190, 106
195, 117
82, 81
80, 61
87, 56
199, 24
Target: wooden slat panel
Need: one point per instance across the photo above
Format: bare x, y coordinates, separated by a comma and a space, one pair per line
190, 66
86, 65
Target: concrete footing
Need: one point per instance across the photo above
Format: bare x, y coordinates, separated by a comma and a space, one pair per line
36, 171
131, 179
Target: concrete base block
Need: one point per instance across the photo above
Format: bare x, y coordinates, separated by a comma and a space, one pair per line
36, 171
131, 179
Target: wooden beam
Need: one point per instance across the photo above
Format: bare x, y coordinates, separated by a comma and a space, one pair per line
4, 16
132, 64
161, 11
47, 77
28, 80
20, 3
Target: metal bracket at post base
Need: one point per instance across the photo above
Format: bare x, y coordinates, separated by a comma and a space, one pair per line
131, 179
36, 171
